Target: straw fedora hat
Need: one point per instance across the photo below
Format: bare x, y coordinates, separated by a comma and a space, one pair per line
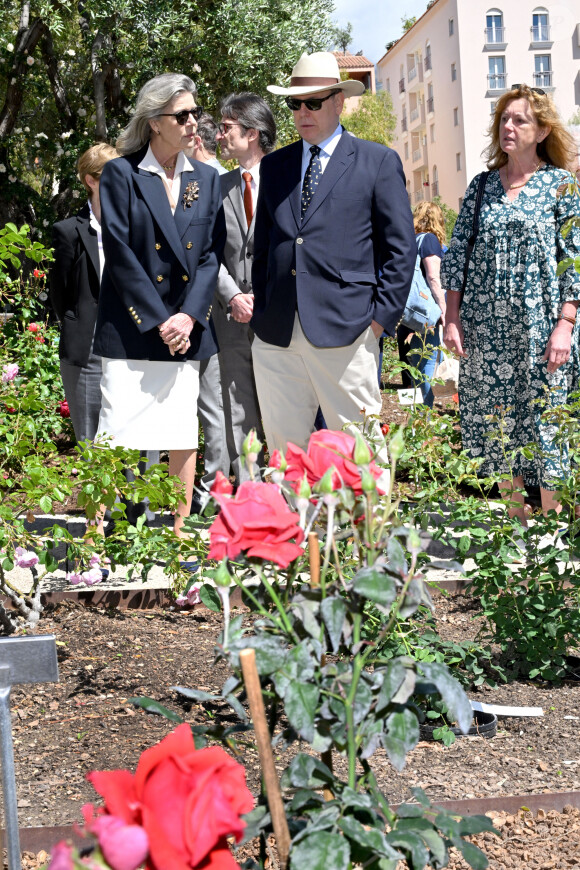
315, 73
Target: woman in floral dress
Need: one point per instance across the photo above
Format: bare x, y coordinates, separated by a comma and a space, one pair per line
516, 333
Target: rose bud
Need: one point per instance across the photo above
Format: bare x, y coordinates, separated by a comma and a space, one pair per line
361, 453
278, 460
397, 444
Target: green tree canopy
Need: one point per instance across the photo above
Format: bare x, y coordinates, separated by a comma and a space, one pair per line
373, 118
70, 71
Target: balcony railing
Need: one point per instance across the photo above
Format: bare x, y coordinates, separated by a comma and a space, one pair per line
497, 82
414, 114
543, 79
412, 73
435, 188
430, 105
540, 33
494, 35
417, 155
401, 86
427, 62
404, 125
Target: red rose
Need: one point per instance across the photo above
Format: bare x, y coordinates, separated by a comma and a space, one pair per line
258, 521
327, 448
39, 338
188, 801
38, 274
63, 408
221, 485
33, 327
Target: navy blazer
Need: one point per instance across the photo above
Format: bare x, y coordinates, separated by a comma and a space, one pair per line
156, 263
349, 262
74, 285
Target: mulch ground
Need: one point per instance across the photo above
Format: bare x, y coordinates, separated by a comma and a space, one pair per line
85, 721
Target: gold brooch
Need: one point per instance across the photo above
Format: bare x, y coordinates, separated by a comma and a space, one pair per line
190, 194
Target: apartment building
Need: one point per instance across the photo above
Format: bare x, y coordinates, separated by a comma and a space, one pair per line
446, 73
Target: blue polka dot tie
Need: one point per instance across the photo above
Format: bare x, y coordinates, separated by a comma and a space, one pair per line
312, 176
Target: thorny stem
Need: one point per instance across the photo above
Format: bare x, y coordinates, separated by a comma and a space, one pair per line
224, 594
357, 667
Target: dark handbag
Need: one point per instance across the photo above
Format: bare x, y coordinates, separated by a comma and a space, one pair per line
475, 228
421, 310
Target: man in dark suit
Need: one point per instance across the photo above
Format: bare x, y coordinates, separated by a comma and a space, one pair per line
333, 261
247, 134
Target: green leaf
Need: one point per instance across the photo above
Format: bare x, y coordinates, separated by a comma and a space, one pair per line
305, 771
474, 856
333, 611
321, 851
375, 586
195, 694
237, 707
411, 844
151, 706
452, 693
437, 846
371, 839
45, 504
398, 684
300, 704
210, 597
475, 824
402, 735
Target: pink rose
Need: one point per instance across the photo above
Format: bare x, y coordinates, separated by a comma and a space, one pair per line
326, 449
25, 558
124, 847
190, 598
188, 801
221, 485
94, 575
9, 372
61, 857
257, 521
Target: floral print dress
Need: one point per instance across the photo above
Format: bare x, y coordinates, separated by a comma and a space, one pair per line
512, 302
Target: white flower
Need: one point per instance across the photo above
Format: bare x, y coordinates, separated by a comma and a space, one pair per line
27, 129
45, 223
2, 167
9, 46
196, 68
59, 152
12, 81
75, 194
66, 135
29, 61
81, 112
18, 130
71, 52
37, 144
12, 178
41, 136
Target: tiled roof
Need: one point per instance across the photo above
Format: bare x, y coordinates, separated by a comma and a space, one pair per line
351, 61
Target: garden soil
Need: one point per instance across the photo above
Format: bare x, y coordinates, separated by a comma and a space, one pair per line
85, 722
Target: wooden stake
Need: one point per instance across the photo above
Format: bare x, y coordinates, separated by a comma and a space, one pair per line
256, 701
314, 559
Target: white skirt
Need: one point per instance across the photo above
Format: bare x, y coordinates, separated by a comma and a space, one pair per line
149, 405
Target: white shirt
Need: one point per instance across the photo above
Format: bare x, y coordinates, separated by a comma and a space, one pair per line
151, 164
326, 151
254, 184
95, 225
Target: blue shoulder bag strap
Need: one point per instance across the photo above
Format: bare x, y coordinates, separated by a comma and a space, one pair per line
475, 228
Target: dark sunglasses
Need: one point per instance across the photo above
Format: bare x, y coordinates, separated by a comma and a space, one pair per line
535, 90
313, 104
183, 117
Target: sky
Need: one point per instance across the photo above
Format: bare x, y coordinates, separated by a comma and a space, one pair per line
375, 23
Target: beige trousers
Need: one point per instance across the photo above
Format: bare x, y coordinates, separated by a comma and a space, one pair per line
293, 381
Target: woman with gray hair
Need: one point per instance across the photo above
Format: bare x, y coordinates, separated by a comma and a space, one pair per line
163, 233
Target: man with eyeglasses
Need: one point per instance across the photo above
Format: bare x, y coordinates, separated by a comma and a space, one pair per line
333, 262
247, 133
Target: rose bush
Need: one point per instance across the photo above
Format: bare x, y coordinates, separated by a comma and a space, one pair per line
256, 521
175, 813
327, 449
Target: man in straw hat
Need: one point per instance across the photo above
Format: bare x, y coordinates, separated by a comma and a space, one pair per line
333, 260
